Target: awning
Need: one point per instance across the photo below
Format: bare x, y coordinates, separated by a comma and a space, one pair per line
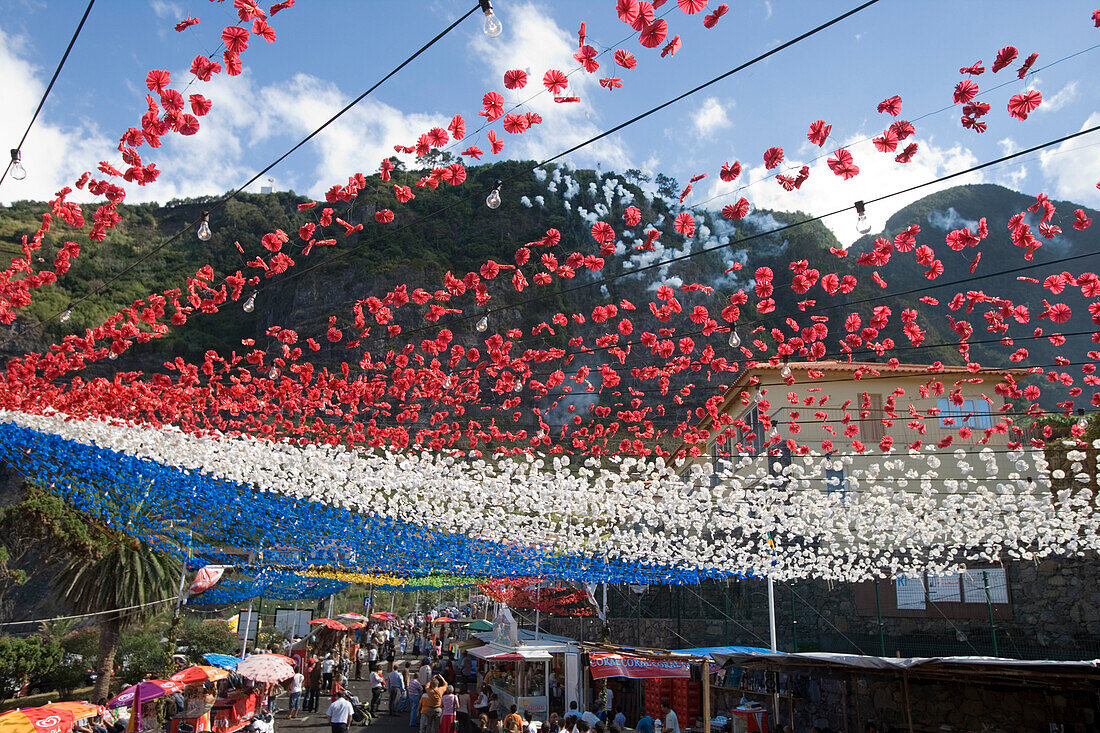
607, 664
496, 654
466, 644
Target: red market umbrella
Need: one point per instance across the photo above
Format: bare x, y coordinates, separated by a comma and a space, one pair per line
197, 674
443, 620
57, 718
329, 623
352, 616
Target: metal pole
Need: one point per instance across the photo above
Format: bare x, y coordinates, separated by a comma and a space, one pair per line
247, 625
331, 602
393, 594
794, 624
538, 610
878, 611
771, 612
989, 605
706, 696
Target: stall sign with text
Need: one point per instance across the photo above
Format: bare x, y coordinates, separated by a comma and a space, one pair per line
638, 668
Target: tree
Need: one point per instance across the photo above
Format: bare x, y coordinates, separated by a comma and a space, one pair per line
121, 584
212, 636
635, 175
141, 654
22, 658
667, 186
435, 158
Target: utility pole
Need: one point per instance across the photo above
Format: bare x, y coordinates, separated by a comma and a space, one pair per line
247, 625
989, 606
878, 611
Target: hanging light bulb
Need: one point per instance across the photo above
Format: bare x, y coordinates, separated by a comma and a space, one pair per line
493, 199
112, 355
735, 338
518, 387
65, 316
273, 373
250, 304
1082, 419
18, 172
785, 371
482, 324
491, 23
204, 233
863, 225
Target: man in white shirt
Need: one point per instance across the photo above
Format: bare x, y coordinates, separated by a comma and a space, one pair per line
377, 682
295, 691
395, 682
339, 713
670, 723
327, 665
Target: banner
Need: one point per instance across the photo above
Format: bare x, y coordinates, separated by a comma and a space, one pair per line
638, 668
205, 578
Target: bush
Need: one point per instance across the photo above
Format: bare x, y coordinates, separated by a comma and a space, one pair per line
213, 636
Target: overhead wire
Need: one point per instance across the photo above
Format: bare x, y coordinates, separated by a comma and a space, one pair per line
49, 87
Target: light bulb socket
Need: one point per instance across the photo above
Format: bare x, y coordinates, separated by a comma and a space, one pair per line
16, 156
486, 6
861, 208
204, 217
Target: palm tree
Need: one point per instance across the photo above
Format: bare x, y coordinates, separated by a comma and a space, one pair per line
123, 583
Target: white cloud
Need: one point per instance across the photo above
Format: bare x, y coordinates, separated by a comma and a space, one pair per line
167, 10
1057, 100
1073, 168
532, 40
879, 175
1007, 145
710, 117
54, 156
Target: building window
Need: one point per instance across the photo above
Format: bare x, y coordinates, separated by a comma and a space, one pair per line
910, 590
973, 414
871, 427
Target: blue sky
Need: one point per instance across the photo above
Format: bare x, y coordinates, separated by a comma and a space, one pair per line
328, 52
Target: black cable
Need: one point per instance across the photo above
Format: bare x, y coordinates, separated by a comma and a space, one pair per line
226, 199
589, 141
794, 225
49, 86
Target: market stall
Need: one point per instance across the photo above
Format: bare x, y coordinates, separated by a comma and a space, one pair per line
638, 680
538, 673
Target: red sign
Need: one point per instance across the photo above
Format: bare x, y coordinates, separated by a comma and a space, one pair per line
639, 668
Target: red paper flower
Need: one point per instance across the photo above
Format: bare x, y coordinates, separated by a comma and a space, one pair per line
157, 79
277, 7
235, 39
627, 10
555, 81
965, 91
515, 124
671, 47
891, 106
493, 104
200, 105
691, 7
685, 224
586, 57
625, 59
632, 215
653, 35
457, 127
819, 132
772, 157
474, 152
188, 125
730, 172
603, 233
888, 143
1021, 105
906, 155
1081, 222
644, 17
515, 79
187, 23
736, 210
457, 173
383, 216
1004, 57
843, 165
903, 129
974, 69
711, 19
1028, 63
262, 29
497, 144
611, 82
437, 137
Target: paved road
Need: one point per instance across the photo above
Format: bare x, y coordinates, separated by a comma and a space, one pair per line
317, 722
